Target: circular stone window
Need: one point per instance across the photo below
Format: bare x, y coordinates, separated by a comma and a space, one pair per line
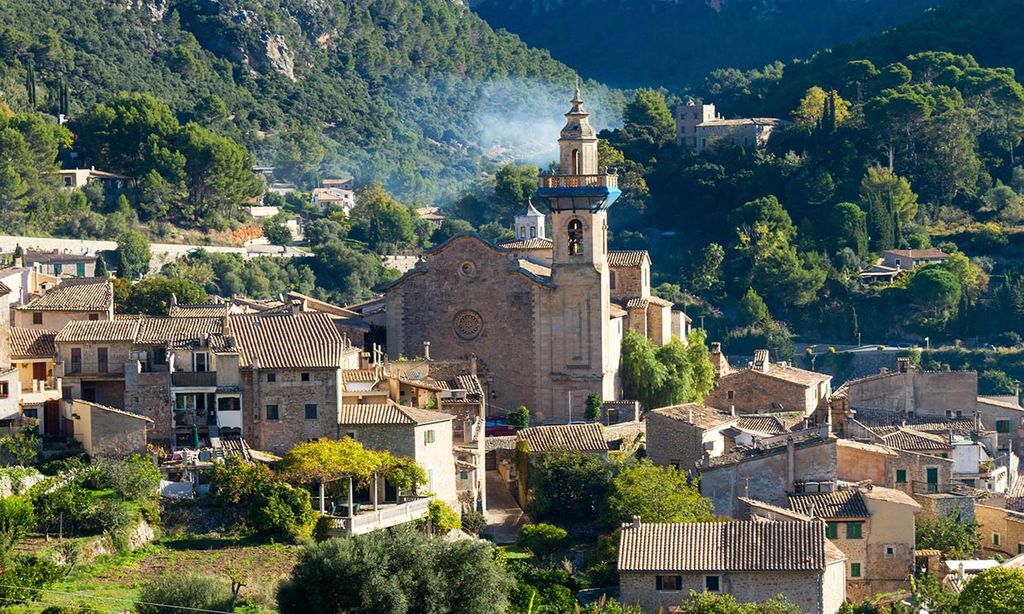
467, 268
468, 324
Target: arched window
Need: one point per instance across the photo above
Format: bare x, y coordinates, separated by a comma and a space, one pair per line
575, 238
577, 165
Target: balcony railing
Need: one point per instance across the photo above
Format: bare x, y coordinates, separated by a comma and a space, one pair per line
579, 181
194, 379
385, 516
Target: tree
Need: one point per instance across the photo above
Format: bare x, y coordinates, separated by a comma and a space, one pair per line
382, 222
400, 571
998, 590
217, 173
21, 448
519, 418
890, 206
593, 411
752, 309
276, 232
441, 518
655, 494
235, 481
847, 227
707, 275
816, 103
281, 510
954, 537
995, 382
716, 603
16, 519
699, 359
182, 592
934, 290
133, 254
642, 373
134, 478
541, 539
101, 267
649, 109
513, 186
567, 486
152, 295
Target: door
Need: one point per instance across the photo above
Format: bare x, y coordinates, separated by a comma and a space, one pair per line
933, 479
51, 419
102, 365
39, 371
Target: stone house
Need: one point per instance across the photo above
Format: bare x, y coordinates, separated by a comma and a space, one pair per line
874, 527
587, 437
1002, 530
546, 329
765, 387
58, 263
70, 300
108, 431
659, 564
421, 434
92, 355
906, 259
34, 355
699, 126
683, 435
770, 472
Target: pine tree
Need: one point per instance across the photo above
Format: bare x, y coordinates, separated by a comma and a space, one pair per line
63, 99
30, 86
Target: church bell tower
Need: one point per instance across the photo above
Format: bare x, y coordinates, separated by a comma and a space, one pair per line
578, 338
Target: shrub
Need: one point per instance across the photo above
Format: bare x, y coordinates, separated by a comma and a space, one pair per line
27, 573
441, 518
281, 510
184, 591
519, 418
113, 519
236, 481
473, 523
20, 449
541, 539
60, 508
593, 413
16, 518
135, 478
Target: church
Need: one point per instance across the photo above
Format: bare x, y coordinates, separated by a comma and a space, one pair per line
544, 317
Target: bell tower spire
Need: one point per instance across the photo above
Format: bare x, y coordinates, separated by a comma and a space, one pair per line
577, 143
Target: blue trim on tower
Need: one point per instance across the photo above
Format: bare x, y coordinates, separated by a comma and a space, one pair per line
591, 198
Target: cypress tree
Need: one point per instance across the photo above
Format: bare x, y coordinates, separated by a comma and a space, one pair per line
101, 267
30, 85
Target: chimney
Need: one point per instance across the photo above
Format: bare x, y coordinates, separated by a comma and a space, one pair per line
977, 422
761, 360
902, 364
791, 463
960, 572
636, 522
426, 350
732, 410
690, 415
472, 365
716, 347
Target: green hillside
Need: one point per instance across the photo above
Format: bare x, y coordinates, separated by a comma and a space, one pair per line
396, 90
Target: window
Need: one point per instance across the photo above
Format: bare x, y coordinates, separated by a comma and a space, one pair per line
311, 411
577, 163
901, 476
1002, 426
854, 530
1020, 546
272, 413
58, 269
463, 474
995, 539
522, 232
200, 362
102, 355
305, 377
80, 269
271, 377
575, 232
533, 232
94, 316
37, 317
730, 394
712, 584
668, 583
228, 404
76, 360
832, 530
69, 182
611, 279
5, 390
351, 435
428, 437
890, 552
159, 356
854, 570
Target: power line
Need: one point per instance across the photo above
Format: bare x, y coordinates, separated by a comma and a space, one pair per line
80, 595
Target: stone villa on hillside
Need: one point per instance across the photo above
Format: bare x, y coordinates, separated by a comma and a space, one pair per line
546, 317
752, 560
699, 126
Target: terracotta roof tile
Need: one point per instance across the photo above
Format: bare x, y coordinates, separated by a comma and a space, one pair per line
911, 440
388, 413
696, 414
537, 243
574, 437
840, 504
628, 258
361, 375
929, 253
287, 341
769, 425
204, 310
32, 343
177, 332
747, 545
113, 331
86, 294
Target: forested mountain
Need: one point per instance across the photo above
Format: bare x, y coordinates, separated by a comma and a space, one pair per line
674, 43
406, 91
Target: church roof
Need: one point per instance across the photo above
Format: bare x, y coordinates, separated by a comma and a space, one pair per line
531, 211
536, 243
628, 258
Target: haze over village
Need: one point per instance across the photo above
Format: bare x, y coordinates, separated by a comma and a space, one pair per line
408, 307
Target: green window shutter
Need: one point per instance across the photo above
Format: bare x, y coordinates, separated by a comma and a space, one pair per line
854, 530
1002, 426
854, 570
901, 476
832, 530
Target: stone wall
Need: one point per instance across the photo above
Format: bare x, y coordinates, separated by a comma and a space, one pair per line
290, 394
629, 282
938, 505
1008, 525
117, 435
674, 442
802, 589
755, 392
149, 394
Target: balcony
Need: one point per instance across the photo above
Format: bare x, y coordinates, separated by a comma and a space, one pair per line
579, 181
386, 515
194, 379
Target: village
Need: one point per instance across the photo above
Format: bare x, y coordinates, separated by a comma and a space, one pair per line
449, 395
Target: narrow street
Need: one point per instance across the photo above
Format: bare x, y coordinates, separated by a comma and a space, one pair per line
504, 516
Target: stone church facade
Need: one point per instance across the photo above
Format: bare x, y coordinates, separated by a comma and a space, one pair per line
545, 317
